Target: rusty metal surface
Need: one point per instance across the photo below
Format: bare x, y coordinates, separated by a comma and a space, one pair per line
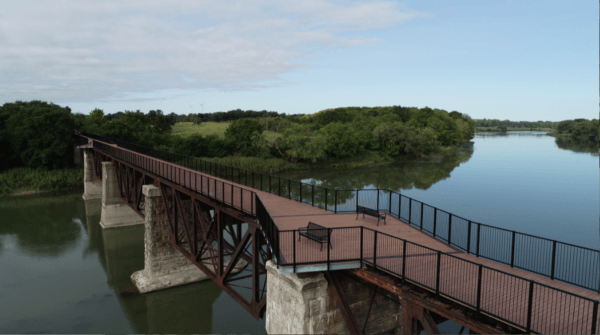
199, 236
340, 297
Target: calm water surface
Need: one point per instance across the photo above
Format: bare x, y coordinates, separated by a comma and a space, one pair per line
61, 273
523, 181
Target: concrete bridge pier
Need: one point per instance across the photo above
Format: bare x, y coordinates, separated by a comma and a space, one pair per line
115, 212
164, 266
305, 303
92, 186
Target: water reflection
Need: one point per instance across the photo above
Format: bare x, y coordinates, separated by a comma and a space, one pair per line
578, 145
43, 226
400, 175
65, 274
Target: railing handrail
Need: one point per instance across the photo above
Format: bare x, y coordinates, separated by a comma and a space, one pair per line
137, 147
373, 262
275, 245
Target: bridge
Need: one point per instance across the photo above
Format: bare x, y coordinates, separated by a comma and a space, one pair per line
437, 265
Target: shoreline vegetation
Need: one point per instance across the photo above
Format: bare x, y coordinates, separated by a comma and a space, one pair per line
26, 181
39, 138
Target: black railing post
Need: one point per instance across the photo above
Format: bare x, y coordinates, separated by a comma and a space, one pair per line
325, 198
378, 200
313, 195
595, 317
403, 260
361, 246
512, 252
409, 209
437, 276
335, 203
449, 227
390, 205
328, 248
375, 251
479, 288
294, 246
399, 206
223, 191
300, 191
469, 238
553, 260
357, 191
421, 216
246, 176
478, 235
529, 306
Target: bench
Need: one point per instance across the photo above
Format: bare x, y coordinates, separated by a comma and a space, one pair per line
316, 233
371, 212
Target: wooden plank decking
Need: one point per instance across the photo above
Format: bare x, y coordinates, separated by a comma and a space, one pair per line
501, 294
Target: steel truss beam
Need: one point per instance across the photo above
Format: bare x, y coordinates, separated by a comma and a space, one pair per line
216, 243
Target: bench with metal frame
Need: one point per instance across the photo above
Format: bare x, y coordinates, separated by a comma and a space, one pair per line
371, 212
316, 233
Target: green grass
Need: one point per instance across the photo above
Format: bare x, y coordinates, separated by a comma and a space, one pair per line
25, 180
269, 165
186, 129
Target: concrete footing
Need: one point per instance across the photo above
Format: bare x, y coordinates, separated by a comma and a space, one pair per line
92, 186
301, 303
115, 212
164, 266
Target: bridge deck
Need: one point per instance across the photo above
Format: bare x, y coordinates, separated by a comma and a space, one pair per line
503, 300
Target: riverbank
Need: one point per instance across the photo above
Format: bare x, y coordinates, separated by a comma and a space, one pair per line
26, 181
495, 129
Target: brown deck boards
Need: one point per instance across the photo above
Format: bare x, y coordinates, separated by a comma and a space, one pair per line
500, 295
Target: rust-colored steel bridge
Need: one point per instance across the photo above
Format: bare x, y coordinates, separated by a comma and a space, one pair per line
217, 222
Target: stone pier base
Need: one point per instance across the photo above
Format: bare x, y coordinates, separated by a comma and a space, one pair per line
301, 303
115, 212
92, 186
164, 266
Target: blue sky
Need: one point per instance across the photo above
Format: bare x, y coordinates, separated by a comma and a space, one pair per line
517, 60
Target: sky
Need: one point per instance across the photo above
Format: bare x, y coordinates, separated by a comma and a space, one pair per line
517, 60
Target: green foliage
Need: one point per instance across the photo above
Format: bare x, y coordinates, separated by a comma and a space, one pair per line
185, 129
240, 134
340, 140
36, 134
27, 179
298, 142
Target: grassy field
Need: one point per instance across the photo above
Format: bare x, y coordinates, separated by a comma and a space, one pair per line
186, 129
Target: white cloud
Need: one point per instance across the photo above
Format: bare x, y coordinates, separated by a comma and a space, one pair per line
85, 51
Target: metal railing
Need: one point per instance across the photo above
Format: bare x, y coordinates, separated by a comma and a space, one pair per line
235, 196
472, 284
516, 300
556, 260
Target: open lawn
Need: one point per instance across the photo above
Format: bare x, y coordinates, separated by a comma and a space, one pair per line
186, 129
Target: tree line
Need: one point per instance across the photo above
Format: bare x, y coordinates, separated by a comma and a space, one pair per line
504, 124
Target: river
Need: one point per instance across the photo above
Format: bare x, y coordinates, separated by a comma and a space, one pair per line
61, 273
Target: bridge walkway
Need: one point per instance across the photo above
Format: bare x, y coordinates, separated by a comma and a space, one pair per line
502, 300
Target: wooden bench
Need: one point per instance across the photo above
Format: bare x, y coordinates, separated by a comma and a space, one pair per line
316, 233
371, 212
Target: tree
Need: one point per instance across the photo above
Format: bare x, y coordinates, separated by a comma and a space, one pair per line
240, 133
40, 134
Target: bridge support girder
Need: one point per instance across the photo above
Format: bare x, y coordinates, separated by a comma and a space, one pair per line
115, 211
164, 266
92, 185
